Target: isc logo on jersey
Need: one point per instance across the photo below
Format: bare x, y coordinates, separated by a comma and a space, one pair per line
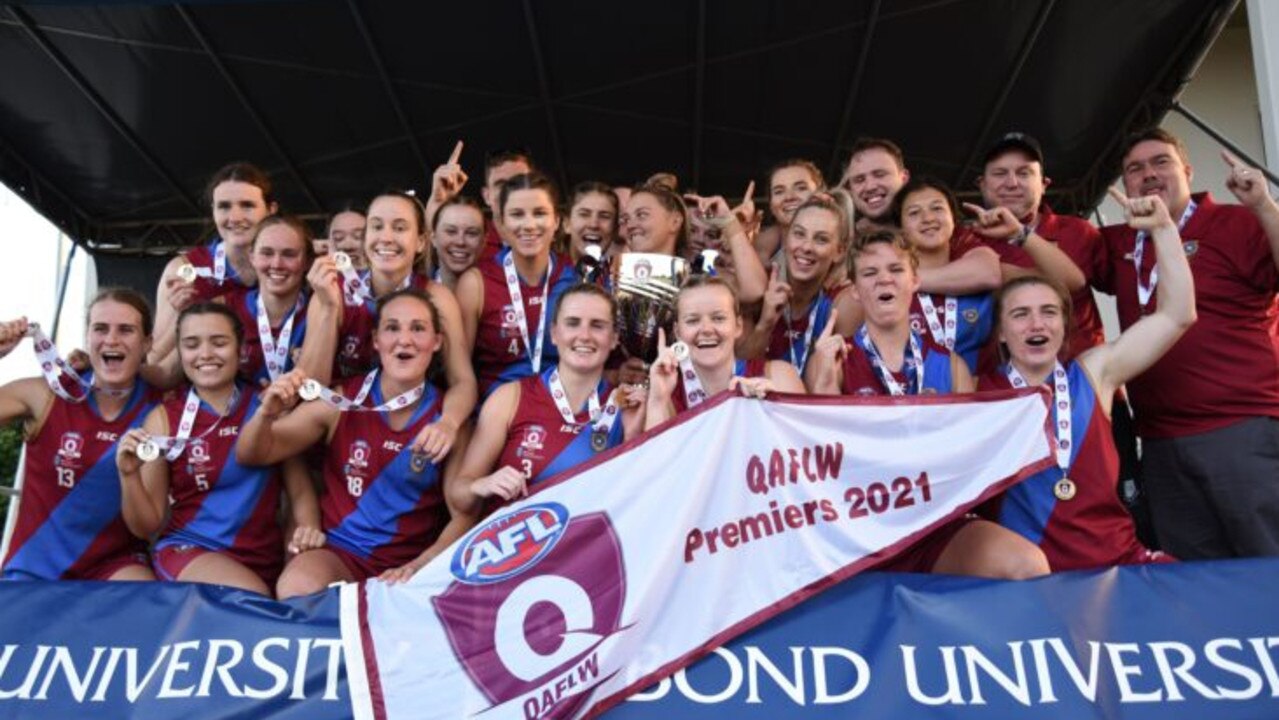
509, 544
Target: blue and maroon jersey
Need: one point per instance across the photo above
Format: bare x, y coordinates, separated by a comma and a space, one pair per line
500, 355
355, 335
207, 288
69, 524
244, 303
540, 443
742, 368
217, 503
1092, 529
860, 377
381, 502
972, 328
787, 340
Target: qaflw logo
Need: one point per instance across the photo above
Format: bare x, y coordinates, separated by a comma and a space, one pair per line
537, 595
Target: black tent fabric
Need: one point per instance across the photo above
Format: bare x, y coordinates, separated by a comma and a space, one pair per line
113, 116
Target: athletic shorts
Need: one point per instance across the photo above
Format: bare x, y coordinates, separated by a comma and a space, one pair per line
922, 556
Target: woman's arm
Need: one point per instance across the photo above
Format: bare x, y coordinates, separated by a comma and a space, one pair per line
273, 435
144, 487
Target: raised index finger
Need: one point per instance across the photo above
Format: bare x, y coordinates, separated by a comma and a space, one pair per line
457, 153
750, 192
1230, 159
829, 330
974, 209
1118, 196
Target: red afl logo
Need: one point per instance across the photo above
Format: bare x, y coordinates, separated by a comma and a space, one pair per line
536, 596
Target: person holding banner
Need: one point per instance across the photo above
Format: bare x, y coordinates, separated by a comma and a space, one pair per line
69, 525
241, 197
701, 363
542, 425
505, 303
215, 518
384, 509
816, 244
1072, 511
341, 314
273, 312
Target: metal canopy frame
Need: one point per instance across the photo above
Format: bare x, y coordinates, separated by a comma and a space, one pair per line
155, 235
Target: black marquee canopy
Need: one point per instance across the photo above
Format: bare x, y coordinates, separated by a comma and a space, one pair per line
113, 116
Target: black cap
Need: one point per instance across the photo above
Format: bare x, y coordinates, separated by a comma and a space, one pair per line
1015, 141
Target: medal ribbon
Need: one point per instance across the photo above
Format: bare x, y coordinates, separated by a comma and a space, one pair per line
399, 402
1062, 406
276, 350
1146, 290
807, 345
601, 420
52, 366
942, 329
694, 395
913, 365
517, 302
175, 444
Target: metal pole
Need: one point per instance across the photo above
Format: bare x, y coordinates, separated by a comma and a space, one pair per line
1223, 140
62, 287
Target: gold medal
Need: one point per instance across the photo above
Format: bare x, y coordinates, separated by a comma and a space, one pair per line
1064, 489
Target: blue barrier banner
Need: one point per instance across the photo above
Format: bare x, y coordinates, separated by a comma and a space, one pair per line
1195, 640
167, 650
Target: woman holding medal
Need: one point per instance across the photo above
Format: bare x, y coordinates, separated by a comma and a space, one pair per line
887, 358
384, 506
341, 314
1072, 511
505, 303
816, 244
241, 197
701, 363
542, 425
215, 518
69, 525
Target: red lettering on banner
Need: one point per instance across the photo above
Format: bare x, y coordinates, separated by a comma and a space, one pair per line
816, 464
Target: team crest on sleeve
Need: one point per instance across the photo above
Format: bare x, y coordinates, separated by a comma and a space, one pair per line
536, 595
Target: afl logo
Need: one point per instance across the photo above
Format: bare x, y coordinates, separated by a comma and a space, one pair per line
509, 544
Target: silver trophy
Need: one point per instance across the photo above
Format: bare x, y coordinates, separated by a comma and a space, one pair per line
645, 285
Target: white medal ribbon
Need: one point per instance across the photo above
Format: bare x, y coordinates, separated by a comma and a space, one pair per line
885, 375
1061, 400
942, 329
175, 444
1144, 290
517, 302
694, 394
601, 420
799, 361
276, 350
52, 366
317, 390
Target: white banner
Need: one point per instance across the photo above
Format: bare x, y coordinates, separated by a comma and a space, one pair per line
639, 562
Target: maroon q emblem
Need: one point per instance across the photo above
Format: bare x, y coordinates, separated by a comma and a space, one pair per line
535, 596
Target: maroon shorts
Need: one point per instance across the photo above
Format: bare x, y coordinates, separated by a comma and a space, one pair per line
923, 554
359, 567
108, 567
170, 561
